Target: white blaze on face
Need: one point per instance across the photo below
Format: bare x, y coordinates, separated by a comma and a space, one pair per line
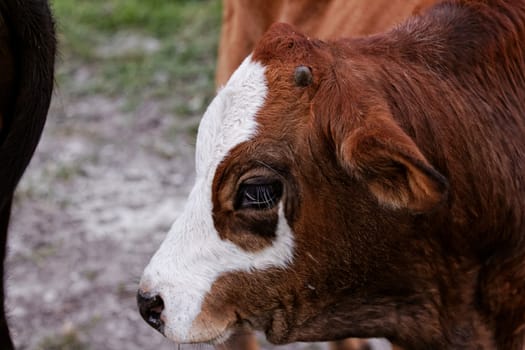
193, 255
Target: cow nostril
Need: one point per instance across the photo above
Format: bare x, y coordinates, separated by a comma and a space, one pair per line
150, 308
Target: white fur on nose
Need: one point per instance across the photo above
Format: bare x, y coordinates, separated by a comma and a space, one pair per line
193, 255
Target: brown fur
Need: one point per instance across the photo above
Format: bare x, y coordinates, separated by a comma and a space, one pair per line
245, 21
404, 175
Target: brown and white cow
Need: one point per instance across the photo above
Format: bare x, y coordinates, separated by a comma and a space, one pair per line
367, 187
27, 56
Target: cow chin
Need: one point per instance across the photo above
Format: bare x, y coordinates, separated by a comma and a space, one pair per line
202, 331
211, 330
278, 331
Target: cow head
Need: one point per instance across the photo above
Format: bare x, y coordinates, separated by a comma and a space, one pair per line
306, 191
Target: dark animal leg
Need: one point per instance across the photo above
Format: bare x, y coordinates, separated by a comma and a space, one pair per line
27, 55
5, 339
6, 90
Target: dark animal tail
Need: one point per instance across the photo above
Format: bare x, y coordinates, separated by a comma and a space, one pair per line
27, 56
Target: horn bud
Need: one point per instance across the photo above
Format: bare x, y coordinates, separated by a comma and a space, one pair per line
303, 76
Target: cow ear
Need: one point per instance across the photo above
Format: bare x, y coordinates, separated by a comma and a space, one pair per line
395, 170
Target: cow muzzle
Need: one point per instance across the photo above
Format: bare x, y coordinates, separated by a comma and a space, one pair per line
150, 308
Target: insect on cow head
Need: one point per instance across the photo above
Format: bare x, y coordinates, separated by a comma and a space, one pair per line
292, 185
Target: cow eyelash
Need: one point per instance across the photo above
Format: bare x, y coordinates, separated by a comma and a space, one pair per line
258, 195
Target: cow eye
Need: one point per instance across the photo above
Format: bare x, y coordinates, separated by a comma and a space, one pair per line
258, 194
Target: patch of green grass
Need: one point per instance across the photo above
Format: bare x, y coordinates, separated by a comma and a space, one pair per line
157, 16
69, 340
82, 22
40, 254
97, 60
67, 171
91, 275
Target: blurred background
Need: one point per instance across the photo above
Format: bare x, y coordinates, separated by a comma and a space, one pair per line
112, 170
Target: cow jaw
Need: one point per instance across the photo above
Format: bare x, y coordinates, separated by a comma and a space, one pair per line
193, 256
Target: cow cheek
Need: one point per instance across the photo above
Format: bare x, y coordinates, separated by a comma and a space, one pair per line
215, 318
252, 298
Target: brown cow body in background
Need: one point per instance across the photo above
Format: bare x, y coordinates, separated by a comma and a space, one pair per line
245, 21
27, 54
